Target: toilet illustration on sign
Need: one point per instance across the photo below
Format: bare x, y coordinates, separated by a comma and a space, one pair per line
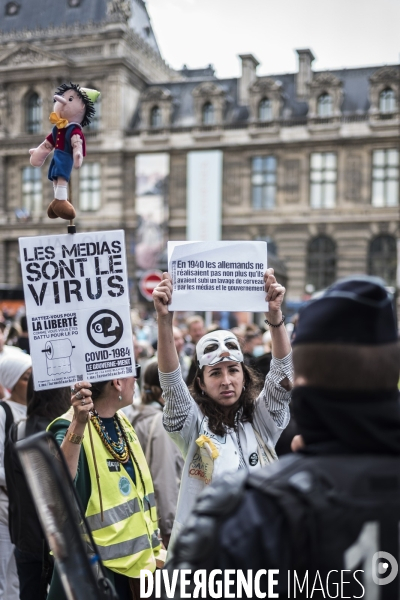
58, 356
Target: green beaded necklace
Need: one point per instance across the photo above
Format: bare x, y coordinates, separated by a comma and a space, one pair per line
118, 450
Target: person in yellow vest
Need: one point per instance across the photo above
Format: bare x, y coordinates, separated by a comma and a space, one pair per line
121, 512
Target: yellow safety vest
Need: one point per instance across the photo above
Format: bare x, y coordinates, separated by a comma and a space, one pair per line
126, 538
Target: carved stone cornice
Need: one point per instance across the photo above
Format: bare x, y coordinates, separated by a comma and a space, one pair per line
119, 11
154, 94
41, 33
84, 51
265, 85
325, 80
386, 75
208, 90
28, 55
64, 33
4, 111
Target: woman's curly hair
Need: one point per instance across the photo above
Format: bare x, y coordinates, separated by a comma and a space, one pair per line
221, 418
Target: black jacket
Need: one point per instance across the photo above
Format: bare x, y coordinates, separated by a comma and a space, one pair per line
25, 530
308, 515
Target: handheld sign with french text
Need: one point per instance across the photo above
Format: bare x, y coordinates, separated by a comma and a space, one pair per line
77, 306
218, 276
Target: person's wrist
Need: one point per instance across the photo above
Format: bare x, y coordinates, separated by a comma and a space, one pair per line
274, 316
78, 426
166, 317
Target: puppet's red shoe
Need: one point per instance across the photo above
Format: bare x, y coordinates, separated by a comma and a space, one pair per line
62, 209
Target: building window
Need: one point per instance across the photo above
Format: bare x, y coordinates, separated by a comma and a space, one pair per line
323, 175
263, 182
31, 190
94, 124
325, 106
155, 117
33, 113
385, 177
321, 262
387, 101
265, 110
207, 114
382, 258
271, 244
89, 187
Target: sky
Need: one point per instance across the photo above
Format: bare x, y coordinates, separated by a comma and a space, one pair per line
340, 33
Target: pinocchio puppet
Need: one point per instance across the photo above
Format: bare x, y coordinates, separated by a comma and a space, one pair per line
73, 109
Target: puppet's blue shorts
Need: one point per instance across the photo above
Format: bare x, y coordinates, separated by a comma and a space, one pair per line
61, 165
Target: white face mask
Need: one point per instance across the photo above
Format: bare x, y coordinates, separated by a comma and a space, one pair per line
258, 351
212, 346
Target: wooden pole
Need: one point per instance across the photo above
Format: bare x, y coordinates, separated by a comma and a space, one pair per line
95, 467
71, 226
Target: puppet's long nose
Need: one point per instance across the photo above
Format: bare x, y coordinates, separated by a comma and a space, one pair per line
60, 99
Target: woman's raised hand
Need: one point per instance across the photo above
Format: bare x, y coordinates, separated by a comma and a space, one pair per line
81, 400
162, 296
275, 295
166, 352
280, 339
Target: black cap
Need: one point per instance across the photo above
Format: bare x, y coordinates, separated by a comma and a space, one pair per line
355, 310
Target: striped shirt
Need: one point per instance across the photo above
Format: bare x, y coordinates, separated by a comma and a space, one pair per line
178, 400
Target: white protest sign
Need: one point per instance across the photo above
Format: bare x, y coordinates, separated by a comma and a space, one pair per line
218, 276
77, 306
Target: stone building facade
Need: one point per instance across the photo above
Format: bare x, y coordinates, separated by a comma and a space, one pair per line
310, 159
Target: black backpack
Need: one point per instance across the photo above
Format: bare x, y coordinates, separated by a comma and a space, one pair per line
25, 530
9, 422
340, 514
9, 417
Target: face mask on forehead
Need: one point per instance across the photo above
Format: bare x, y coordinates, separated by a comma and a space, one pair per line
216, 347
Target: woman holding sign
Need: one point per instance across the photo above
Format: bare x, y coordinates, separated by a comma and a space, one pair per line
222, 424
112, 479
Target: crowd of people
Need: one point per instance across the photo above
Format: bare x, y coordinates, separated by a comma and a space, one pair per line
199, 434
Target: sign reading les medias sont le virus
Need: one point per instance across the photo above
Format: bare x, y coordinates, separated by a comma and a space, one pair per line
77, 305
218, 276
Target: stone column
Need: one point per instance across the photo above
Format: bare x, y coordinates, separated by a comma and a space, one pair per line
249, 66
304, 76
2, 184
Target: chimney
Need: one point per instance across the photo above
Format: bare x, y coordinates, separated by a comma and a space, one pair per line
249, 66
304, 76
